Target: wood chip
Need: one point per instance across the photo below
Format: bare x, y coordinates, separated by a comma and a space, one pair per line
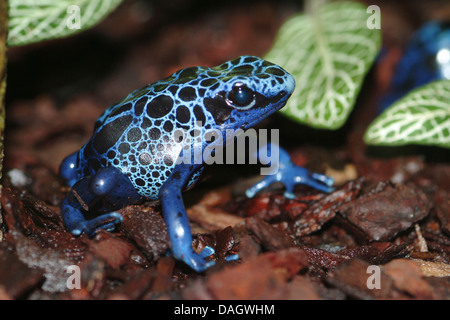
433, 269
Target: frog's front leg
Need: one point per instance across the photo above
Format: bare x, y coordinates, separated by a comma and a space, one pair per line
176, 219
107, 190
287, 173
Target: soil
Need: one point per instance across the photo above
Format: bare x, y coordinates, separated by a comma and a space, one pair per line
383, 234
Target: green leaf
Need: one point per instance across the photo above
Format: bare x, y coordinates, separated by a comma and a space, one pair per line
36, 20
3, 35
421, 117
328, 52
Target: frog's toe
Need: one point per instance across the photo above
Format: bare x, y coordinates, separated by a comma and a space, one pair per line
264, 183
78, 228
289, 194
329, 181
232, 257
320, 182
207, 251
105, 222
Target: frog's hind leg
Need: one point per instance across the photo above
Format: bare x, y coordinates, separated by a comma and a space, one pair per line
107, 190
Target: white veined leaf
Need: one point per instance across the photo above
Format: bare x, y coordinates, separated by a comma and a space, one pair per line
36, 20
328, 53
420, 117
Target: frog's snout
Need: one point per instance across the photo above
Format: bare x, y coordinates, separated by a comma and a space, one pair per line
290, 84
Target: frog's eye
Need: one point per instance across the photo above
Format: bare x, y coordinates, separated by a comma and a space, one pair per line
241, 97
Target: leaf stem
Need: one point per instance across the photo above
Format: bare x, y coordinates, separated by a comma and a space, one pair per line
311, 6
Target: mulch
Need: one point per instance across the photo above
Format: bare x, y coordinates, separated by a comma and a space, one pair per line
384, 233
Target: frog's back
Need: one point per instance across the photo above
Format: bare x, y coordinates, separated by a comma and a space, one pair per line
138, 136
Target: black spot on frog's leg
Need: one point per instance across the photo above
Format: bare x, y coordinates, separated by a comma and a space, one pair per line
159, 106
108, 136
218, 108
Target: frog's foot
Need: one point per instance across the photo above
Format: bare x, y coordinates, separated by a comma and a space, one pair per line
105, 222
291, 175
287, 173
208, 251
197, 260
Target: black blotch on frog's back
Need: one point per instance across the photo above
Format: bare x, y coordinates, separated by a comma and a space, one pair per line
159, 106
110, 134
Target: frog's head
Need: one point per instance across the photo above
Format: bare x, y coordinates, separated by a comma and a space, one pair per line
244, 91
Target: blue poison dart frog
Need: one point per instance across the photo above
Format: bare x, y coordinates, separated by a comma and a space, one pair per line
132, 155
426, 58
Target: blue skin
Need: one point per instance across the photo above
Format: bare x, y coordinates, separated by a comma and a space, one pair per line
419, 64
132, 154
